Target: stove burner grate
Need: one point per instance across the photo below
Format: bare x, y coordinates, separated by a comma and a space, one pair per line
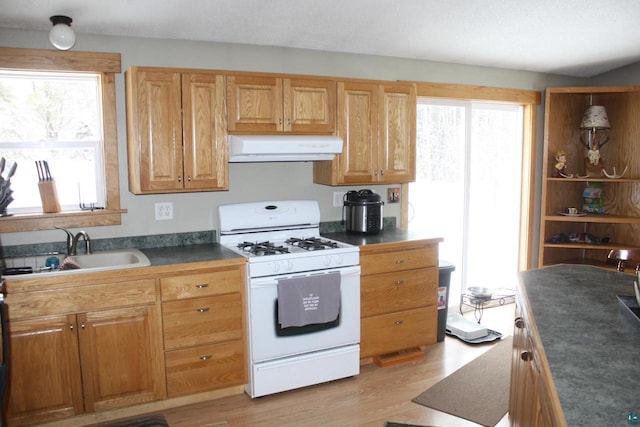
311, 243
262, 248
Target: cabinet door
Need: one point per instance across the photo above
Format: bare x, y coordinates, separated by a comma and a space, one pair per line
309, 106
358, 126
155, 131
392, 332
401, 290
205, 368
255, 104
204, 125
197, 321
121, 357
45, 382
397, 134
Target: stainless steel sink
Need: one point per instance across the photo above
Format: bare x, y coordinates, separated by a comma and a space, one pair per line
97, 261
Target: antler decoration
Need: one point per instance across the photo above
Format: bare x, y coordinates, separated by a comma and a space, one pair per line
614, 174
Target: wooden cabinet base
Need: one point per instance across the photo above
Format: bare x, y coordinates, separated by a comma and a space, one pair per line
399, 357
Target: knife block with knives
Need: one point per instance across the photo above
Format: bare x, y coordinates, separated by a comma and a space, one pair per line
47, 187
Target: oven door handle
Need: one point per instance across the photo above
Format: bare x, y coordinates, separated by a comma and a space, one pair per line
273, 280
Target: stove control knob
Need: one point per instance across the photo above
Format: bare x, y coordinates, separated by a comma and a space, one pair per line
339, 259
327, 261
275, 267
289, 265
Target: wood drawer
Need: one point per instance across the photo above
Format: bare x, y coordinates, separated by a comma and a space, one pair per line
204, 368
389, 261
81, 298
204, 284
398, 331
202, 320
402, 290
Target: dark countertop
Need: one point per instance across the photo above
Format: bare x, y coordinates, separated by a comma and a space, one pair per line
590, 342
188, 253
385, 236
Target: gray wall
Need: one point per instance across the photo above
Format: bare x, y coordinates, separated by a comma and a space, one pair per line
625, 76
197, 211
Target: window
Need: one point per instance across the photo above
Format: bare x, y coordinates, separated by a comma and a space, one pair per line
57, 118
83, 143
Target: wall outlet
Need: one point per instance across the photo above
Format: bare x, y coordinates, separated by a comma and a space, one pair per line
337, 199
164, 211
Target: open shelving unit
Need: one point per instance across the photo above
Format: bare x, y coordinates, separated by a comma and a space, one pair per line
620, 223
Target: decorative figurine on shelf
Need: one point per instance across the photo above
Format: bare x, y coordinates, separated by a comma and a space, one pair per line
561, 165
594, 134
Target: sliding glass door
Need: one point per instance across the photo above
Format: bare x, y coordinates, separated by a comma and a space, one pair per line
468, 188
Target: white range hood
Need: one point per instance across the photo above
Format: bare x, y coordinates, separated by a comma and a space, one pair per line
283, 148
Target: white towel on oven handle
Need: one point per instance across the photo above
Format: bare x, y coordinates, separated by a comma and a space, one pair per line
308, 300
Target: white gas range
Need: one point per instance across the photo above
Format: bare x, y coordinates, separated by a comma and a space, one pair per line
287, 257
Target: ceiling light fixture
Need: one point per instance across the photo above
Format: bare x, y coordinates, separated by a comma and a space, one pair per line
62, 35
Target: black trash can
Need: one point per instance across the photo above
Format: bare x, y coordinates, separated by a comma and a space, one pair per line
444, 282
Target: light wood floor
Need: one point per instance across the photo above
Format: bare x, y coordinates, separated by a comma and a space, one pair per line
369, 399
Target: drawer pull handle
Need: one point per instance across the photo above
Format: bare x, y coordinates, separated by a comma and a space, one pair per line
207, 357
203, 310
399, 322
399, 261
399, 282
519, 322
204, 285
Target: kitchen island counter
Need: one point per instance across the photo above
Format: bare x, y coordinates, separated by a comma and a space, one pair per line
590, 342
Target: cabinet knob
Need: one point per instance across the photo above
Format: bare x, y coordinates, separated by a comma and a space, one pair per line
189, 178
526, 356
399, 322
399, 282
82, 325
519, 322
179, 179
289, 122
203, 285
382, 172
279, 121
207, 357
71, 327
399, 261
203, 310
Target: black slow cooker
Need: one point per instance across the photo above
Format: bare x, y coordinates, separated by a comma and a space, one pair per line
363, 211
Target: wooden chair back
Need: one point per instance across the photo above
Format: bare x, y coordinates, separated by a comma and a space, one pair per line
624, 257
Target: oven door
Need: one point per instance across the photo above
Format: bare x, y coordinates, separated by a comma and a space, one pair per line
266, 342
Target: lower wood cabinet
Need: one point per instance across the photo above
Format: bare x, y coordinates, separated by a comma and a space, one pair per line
67, 365
84, 344
203, 329
533, 401
398, 296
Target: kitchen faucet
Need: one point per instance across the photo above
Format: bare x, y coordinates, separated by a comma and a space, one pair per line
72, 241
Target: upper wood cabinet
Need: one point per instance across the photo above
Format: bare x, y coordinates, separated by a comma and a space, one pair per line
377, 124
571, 239
268, 104
176, 131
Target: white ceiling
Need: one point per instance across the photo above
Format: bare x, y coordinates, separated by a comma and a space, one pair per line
572, 37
